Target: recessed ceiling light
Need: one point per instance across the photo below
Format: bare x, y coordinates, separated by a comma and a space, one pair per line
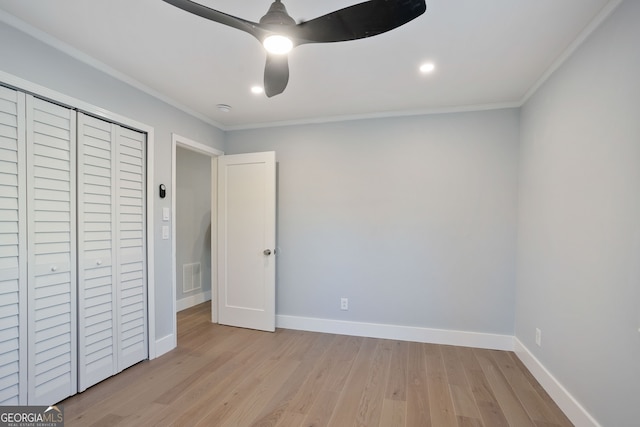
224, 108
257, 89
427, 67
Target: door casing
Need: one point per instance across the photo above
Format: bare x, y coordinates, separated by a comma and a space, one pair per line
188, 144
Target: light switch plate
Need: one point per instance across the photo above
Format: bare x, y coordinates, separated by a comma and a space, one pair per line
165, 232
166, 214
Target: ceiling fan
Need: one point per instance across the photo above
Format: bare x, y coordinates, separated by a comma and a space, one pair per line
279, 33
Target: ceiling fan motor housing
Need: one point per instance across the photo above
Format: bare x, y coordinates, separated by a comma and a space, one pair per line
277, 15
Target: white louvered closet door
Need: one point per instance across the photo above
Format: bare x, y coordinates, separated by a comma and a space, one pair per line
13, 247
51, 203
131, 270
97, 355
112, 279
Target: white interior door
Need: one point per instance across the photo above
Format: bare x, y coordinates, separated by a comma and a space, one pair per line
246, 240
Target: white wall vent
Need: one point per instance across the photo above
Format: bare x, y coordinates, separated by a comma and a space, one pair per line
191, 277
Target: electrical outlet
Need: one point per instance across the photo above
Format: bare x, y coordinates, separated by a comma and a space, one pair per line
344, 303
538, 337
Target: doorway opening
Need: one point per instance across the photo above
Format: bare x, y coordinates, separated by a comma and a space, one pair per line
193, 235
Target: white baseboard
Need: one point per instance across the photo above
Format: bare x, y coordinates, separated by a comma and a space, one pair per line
395, 332
190, 301
165, 344
576, 413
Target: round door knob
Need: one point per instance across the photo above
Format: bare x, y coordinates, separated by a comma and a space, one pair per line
267, 252
54, 268
99, 262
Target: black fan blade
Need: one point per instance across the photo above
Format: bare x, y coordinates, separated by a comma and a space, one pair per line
222, 18
359, 21
276, 74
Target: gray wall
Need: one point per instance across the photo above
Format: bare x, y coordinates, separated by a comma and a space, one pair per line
413, 219
193, 217
579, 222
32, 60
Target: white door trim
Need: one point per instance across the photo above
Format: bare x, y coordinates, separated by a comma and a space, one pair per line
182, 142
44, 92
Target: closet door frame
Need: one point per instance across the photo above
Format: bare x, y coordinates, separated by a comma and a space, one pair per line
43, 92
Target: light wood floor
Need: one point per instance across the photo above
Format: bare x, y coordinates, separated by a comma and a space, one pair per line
223, 376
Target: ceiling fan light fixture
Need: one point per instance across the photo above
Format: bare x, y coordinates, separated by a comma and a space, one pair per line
427, 67
279, 32
278, 44
257, 89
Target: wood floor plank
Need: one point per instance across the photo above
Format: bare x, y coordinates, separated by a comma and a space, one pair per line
440, 403
559, 415
397, 384
150, 386
108, 420
221, 375
468, 422
221, 385
394, 413
533, 403
308, 392
211, 388
453, 365
183, 387
321, 410
349, 402
288, 419
464, 402
418, 411
490, 410
251, 407
140, 417
370, 405
247, 386
281, 398
343, 361
78, 405
513, 410
195, 400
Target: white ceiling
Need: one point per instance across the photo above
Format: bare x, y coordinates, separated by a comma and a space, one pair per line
488, 54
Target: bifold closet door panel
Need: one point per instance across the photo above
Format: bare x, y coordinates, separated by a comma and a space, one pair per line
51, 219
97, 355
131, 247
13, 249
112, 278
